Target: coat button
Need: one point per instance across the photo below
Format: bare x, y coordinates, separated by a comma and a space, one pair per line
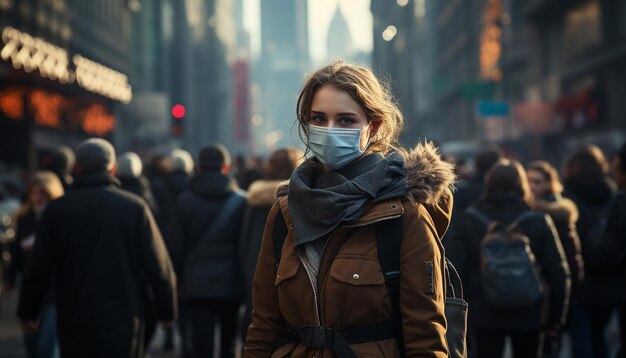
291, 226
356, 276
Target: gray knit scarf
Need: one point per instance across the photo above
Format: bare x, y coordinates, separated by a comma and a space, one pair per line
320, 201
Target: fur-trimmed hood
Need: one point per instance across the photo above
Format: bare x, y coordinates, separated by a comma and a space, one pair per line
562, 210
263, 192
428, 177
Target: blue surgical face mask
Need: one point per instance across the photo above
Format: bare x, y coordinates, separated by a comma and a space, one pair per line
335, 147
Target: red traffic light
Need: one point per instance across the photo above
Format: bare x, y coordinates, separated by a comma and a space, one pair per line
178, 111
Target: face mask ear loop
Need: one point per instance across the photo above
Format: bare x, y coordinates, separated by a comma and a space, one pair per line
369, 141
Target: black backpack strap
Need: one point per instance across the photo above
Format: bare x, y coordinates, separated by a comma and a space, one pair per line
389, 234
278, 235
520, 219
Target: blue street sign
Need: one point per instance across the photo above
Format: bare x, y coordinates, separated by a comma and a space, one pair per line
493, 108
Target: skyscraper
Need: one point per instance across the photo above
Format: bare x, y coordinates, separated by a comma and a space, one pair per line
283, 62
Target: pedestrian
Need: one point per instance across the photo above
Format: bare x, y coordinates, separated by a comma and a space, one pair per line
60, 160
104, 247
611, 251
130, 174
43, 188
261, 197
507, 200
210, 214
470, 190
547, 191
327, 290
587, 183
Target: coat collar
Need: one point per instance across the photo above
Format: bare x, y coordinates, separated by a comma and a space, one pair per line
95, 180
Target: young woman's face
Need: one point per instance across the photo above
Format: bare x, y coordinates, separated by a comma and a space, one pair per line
332, 107
539, 185
38, 197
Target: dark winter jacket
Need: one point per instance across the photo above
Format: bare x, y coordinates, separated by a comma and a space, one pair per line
167, 188
462, 245
593, 197
612, 250
261, 197
467, 192
564, 214
21, 258
219, 266
105, 248
141, 187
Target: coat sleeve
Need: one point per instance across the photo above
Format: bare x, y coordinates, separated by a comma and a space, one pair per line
157, 267
611, 251
38, 276
268, 323
422, 292
556, 272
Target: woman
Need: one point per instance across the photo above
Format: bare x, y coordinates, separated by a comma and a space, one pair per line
547, 189
508, 200
261, 197
586, 181
329, 276
44, 187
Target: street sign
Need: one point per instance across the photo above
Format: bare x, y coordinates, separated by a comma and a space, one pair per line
493, 108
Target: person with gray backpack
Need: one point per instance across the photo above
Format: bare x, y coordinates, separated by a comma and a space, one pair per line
512, 264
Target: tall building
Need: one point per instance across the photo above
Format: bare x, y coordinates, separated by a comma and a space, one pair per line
540, 78
576, 78
183, 51
283, 61
339, 40
395, 57
64, 69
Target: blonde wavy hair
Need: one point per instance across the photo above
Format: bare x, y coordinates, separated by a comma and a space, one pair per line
365, 89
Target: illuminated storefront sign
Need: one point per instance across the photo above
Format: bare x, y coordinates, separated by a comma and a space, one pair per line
34, 54
52, 110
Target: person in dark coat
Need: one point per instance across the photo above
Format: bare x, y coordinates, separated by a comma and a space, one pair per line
611, 253
129, 173
104, 247
586, 182
507, 197
60, 160
261, 197
43, 187
547, 191
471, 189
210, 215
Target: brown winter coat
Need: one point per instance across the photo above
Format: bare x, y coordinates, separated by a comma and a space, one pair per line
284, 298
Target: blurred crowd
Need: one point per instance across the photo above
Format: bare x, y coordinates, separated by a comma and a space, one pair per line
210, 213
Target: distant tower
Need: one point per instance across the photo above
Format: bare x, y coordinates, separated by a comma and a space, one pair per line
339, 40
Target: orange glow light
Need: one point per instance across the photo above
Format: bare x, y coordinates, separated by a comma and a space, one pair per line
47, 108
96, 120
12, 103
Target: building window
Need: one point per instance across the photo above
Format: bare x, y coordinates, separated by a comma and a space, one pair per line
582, 29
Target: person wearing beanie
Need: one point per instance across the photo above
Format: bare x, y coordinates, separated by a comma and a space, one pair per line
60, 160
210, 214
130, 175
104, 247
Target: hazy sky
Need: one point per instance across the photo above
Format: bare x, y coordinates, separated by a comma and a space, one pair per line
357, 13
